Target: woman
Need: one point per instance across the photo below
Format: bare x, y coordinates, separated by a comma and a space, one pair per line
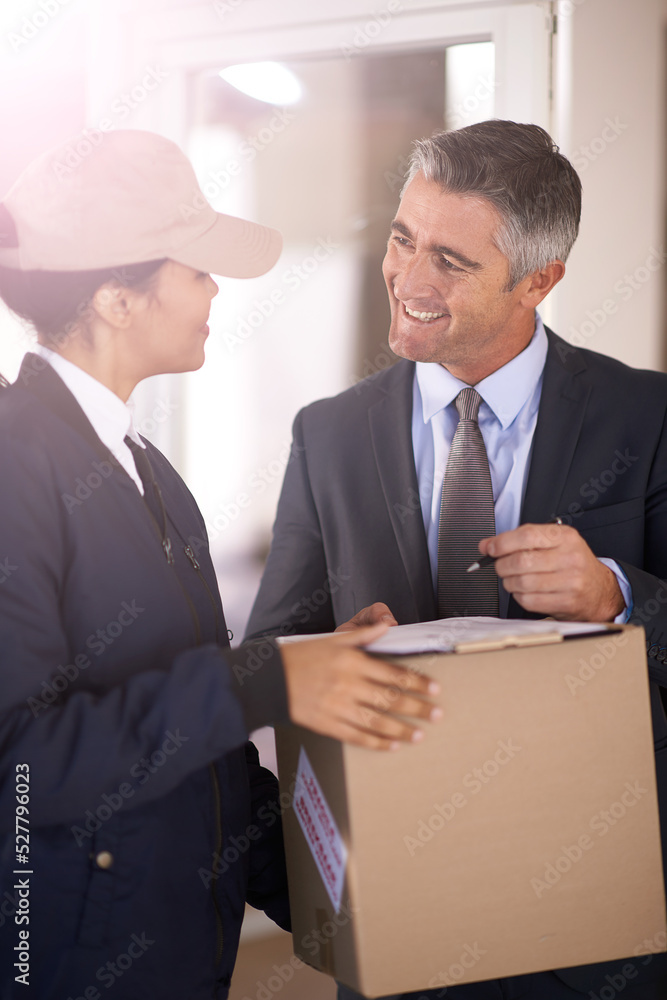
135, 812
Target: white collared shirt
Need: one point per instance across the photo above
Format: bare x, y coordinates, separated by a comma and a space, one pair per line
110, 417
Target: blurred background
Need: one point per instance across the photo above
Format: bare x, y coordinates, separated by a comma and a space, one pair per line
301, 115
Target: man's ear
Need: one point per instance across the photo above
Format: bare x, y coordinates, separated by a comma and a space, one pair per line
114, 304
540, 283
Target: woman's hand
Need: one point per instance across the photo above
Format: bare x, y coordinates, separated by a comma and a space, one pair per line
336, 689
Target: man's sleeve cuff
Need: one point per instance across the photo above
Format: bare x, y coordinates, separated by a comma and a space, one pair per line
626, 590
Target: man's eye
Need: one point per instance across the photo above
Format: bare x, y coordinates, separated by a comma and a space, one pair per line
401, 240
448, 265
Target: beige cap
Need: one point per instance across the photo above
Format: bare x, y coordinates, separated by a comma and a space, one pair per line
124, 197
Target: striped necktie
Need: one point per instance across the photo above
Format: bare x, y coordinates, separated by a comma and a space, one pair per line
466, 516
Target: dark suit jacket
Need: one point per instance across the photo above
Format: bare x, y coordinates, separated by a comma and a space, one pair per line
349, 529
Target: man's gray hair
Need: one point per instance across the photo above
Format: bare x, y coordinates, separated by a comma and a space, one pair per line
519, 169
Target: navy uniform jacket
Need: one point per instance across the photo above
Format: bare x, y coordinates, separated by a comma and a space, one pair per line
150, 819
349, 529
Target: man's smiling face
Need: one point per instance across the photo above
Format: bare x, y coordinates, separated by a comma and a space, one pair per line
447, 284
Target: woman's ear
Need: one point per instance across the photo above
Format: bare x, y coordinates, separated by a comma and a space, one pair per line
114, 303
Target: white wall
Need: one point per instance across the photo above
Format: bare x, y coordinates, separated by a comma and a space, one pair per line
610, 57
611, 69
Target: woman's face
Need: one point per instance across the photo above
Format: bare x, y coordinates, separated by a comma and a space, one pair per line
170, 326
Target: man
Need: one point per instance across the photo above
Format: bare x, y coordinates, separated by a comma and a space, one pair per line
485, 224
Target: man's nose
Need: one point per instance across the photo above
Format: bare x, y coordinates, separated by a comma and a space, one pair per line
415, 278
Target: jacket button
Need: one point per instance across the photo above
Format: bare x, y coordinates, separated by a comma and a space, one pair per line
104, 859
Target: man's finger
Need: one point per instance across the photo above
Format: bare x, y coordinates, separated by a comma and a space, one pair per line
378, 612
527, 536
361, 636
537, 583
532, 562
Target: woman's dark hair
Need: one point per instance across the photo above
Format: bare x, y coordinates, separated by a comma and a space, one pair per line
53, 301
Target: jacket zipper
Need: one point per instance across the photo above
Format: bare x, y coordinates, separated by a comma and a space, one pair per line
194, 562
218, 849
167, 548
197, 568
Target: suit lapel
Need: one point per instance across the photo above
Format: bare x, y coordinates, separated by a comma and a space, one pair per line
565, 392
390, 422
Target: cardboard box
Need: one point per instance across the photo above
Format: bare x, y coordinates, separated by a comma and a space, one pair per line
521, 835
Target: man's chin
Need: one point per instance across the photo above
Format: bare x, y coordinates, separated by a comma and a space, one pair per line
417, 340
414, 349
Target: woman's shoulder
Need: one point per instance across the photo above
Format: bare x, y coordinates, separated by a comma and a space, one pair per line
32, 437
20, 412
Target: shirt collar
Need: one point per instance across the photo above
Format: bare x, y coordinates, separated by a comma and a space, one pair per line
110, 417
505, 391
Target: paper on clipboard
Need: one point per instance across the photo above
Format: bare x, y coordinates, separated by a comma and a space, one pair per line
449, 635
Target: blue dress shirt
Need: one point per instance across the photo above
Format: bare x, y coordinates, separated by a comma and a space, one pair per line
507, 420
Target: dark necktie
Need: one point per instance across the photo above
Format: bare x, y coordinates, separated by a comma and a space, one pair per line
152, 494
466, 516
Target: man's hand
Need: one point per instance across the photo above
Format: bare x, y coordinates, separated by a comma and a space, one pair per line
549, 569
337, 690
377, 612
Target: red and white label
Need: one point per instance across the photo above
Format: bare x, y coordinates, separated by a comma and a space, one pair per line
320, 830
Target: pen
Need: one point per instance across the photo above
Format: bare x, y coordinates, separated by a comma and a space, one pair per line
489, 560
481, 563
